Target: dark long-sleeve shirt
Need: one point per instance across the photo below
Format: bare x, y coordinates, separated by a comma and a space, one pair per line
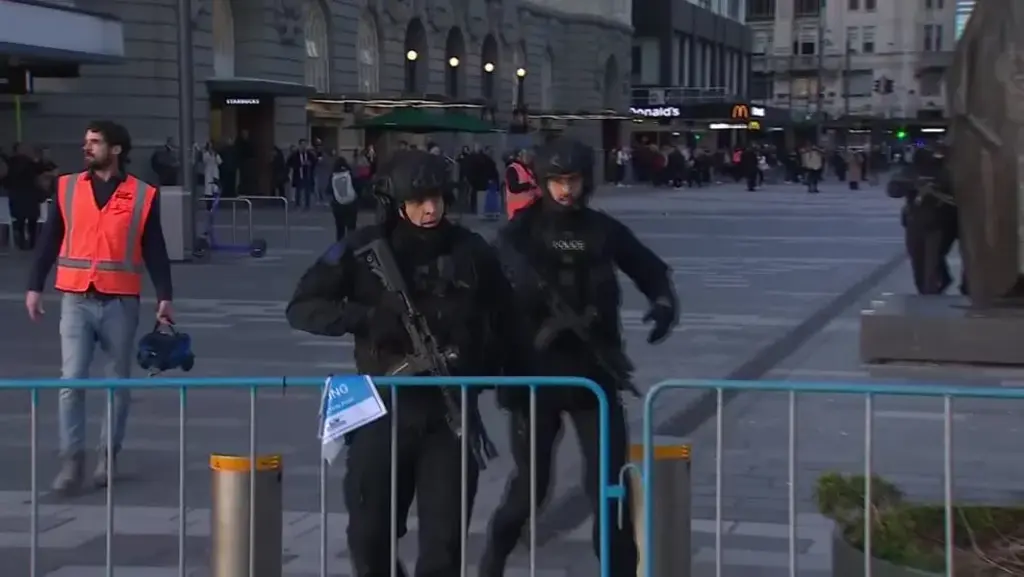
154, 248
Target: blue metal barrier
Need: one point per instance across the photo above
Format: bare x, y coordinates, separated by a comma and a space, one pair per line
34, 386
868, 391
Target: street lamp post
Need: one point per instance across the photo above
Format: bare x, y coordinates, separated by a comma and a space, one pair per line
186, 128
453, 76
520, 90
411, 56
519, 108
488, 80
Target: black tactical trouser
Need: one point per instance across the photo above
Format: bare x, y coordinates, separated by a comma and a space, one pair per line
429, 467
930, 234
513, 514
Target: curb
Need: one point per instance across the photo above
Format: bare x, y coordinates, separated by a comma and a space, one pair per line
573, 508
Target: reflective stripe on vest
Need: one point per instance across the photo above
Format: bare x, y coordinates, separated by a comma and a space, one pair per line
101, 245
127, 264
516, 201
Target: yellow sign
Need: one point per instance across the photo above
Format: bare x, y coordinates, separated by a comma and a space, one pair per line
741, 112
753, 125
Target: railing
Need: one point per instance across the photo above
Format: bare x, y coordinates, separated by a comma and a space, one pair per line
657, 550
287, 219
244, 529
234, 202
719, 391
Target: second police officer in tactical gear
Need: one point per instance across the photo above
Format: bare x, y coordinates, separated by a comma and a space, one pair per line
456, 282
561, 257
929, 217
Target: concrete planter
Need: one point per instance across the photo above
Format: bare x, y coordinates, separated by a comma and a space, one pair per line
848, 561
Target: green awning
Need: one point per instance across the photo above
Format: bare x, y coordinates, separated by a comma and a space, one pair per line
422, 120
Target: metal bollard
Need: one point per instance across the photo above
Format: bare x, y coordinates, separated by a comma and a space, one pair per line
670, 484
241, 549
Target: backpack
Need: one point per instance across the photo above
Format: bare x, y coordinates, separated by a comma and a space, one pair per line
341, 186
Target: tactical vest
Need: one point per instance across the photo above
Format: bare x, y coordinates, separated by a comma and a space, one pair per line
579, 262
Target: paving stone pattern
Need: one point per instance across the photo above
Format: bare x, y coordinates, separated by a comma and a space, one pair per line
907, 446
749, 267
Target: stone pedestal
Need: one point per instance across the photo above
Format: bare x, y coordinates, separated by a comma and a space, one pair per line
941, 330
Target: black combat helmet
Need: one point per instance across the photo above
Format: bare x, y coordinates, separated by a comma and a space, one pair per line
413, 175
562, 157
409, 175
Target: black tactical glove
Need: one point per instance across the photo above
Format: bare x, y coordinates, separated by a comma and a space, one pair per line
385, 322
663, 315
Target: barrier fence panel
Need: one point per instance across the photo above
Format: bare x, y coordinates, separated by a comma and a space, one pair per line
870, 394
248, 487
287, 218
234, 202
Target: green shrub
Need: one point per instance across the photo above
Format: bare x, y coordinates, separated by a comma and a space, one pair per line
987, 540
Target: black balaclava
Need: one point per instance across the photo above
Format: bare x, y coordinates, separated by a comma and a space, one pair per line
420, 243
555, 212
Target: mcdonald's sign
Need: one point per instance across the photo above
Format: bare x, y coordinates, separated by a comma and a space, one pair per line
744, 112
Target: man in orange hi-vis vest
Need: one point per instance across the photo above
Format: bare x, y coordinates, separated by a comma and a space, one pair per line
103, 229
521, 188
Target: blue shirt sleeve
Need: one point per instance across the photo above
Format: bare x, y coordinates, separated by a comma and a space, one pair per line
48, 249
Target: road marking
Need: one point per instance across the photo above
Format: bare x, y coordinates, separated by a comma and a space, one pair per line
335, 366
916, 416
327, 343
819, 374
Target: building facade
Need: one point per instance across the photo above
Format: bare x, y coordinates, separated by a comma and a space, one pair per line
258, 63
690, 66
963, 14
697, 44
853, 58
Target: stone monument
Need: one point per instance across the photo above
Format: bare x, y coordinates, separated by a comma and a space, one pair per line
979, 334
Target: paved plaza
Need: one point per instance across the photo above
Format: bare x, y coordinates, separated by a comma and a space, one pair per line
769, 283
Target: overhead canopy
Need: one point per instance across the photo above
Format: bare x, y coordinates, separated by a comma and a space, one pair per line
258, 87
421, 120
56, 33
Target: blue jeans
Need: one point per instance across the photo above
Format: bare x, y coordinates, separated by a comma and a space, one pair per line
304, 193
85, 322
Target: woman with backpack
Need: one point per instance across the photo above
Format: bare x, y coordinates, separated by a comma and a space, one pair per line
343, 199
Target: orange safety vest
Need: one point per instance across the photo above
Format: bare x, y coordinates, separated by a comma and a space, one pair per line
516, 201
102, 248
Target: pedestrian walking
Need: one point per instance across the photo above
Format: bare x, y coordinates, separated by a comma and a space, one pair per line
103, 229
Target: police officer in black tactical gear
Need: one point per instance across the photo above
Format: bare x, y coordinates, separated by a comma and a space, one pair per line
929, 217
561, 257
456, 281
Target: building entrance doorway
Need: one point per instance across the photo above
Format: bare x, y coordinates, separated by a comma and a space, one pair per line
242, 130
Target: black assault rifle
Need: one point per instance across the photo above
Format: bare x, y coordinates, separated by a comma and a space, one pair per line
563, 318
428, 356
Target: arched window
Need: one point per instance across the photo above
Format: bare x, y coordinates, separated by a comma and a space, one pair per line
318, 60
223, 39
368, 54
547, 82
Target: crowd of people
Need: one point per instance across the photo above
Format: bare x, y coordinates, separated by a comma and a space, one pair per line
27, 176
677, 165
